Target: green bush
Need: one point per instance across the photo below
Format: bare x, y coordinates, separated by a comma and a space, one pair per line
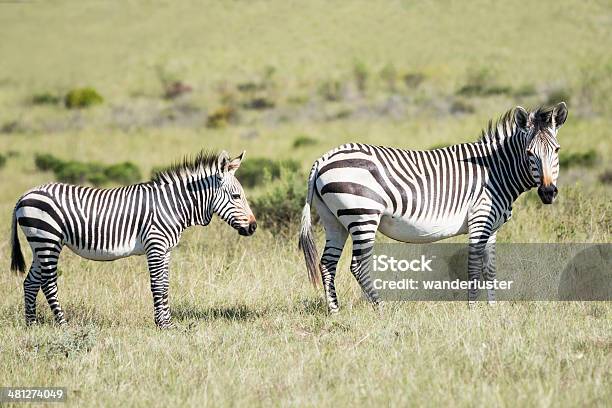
123, 173
258, 103
77, 172
221, 117
2, 160
303, 140
389, 75
280, 208
480, 83
82, 98
360, 71
45, 98
413, 79
331, 90
47, 162
461, 106
525, 90
558, 95
256, 171
582, 159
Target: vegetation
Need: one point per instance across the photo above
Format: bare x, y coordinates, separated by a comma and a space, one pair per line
221, 117
258, 170
303, 140
584, 159
279, 209
82, 98
77, 172
250, 330
46, 98
2, 160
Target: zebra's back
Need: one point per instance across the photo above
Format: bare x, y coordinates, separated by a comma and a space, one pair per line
100, 224
421, 196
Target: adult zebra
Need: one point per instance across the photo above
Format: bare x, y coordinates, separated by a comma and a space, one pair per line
107, 224
424, 196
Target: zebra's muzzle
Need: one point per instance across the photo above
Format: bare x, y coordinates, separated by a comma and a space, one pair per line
548, 193
249, 230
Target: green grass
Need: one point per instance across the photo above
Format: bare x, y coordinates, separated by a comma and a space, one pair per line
250, 331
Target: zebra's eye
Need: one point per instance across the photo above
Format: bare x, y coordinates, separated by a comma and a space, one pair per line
557, 149
235, 196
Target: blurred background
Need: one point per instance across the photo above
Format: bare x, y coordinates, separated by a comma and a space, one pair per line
105, 93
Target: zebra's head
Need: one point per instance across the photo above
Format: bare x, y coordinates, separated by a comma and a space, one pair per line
542, 148
230, 202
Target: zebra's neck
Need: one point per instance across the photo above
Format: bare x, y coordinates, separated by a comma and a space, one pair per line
509, 166
187, 200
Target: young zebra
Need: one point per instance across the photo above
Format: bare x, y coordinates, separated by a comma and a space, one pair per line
108, 224
425, 196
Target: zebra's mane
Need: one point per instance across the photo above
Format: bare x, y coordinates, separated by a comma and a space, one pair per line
504, 127
188, 166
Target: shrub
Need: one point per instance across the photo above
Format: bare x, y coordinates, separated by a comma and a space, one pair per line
481, 83
331, 90
280, 207
389, 75
82, 98
525, 90
258, 103
360, 72
175, 89
413, 79
123, 173
2, 160
558, 95
461, 106
221, 117
46, 162
45, 98
606, 177
256, 171
77, 172
303, 140
583, 159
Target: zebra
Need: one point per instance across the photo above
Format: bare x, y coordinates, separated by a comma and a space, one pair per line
424, 196
140, 219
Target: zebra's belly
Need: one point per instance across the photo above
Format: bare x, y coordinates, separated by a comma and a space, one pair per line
423, 231
122, 251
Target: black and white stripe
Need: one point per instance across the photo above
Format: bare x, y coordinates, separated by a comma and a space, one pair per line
424, 196
107, 224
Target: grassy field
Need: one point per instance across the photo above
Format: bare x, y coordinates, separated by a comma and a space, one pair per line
250, 329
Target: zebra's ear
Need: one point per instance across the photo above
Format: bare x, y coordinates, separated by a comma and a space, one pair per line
224, 161
521, 117
559, 114
234, 164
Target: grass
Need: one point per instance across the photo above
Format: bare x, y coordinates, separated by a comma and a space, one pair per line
250, 331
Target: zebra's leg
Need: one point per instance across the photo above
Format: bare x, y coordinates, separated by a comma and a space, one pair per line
363, 234
48, 259
478, 242
335, 238
158, 260
489, 266
31, 286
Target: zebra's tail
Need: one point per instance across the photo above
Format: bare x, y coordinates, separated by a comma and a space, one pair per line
17, 261
307, 243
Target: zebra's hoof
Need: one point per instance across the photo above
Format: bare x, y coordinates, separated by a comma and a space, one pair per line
492, 303
333, 310
165, 325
